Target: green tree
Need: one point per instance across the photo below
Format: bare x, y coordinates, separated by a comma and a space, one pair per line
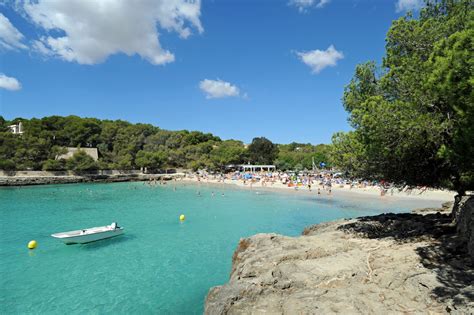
413, 118
3, 124
262, 151
54, 165
300, 155
152, 160
227, 152
119, 144
7, 165
81, 161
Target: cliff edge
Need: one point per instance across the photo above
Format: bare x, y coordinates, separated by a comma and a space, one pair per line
391, 263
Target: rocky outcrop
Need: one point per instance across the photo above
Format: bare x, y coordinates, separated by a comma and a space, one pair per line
68, 179
22, 181
352, 267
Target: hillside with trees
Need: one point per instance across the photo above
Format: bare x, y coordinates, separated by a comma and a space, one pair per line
413, 116
123, 145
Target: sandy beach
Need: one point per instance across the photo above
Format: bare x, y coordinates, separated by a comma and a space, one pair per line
337, 190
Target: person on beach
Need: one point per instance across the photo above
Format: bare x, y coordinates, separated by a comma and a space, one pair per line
319, 191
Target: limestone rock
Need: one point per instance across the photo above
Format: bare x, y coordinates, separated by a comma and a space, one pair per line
331, 269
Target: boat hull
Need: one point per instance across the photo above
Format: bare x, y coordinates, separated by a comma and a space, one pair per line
88, 238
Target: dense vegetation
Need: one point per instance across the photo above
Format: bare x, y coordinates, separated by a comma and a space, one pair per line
123, 145
413, 117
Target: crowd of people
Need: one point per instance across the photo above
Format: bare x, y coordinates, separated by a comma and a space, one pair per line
322, 181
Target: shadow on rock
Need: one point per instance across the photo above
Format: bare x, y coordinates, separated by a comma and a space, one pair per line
442, 250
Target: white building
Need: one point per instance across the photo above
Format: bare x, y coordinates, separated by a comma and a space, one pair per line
16, 128
92, 152
256, 168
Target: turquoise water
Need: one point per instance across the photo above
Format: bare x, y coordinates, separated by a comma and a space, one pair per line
159, 265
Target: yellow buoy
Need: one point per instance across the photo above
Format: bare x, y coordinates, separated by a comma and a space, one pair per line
32, 244
182, 217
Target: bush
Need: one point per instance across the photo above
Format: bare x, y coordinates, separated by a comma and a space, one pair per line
54, 165
7, 165
81, 161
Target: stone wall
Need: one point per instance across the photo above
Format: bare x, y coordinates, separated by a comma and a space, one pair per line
67, 173
92, 152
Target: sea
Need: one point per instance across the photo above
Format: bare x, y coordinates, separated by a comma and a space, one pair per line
160, 265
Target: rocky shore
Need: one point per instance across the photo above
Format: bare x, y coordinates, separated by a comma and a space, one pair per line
43, 178
416, 263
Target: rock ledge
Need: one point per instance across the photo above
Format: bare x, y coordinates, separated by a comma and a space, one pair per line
393, 263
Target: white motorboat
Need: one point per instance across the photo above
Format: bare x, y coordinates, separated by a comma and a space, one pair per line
90, 234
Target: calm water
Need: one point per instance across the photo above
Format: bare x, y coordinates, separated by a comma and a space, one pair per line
159, 265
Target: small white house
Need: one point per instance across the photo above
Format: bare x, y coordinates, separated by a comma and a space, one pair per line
16, 128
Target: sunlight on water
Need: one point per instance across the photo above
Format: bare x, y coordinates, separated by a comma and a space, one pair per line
159, 265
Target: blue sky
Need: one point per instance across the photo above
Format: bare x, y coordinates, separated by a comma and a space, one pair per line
236, 68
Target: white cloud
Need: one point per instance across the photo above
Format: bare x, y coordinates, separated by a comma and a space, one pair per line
10, 37
304, 5
92, 30
322, 3
9, 83
317, 59
407, 5
219, 89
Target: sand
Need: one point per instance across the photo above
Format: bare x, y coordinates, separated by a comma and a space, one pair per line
370, 191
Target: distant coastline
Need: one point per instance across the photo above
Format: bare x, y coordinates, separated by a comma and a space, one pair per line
27, 178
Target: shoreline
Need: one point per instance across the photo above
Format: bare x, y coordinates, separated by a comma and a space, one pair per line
429, 194
27, 178
48, 178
